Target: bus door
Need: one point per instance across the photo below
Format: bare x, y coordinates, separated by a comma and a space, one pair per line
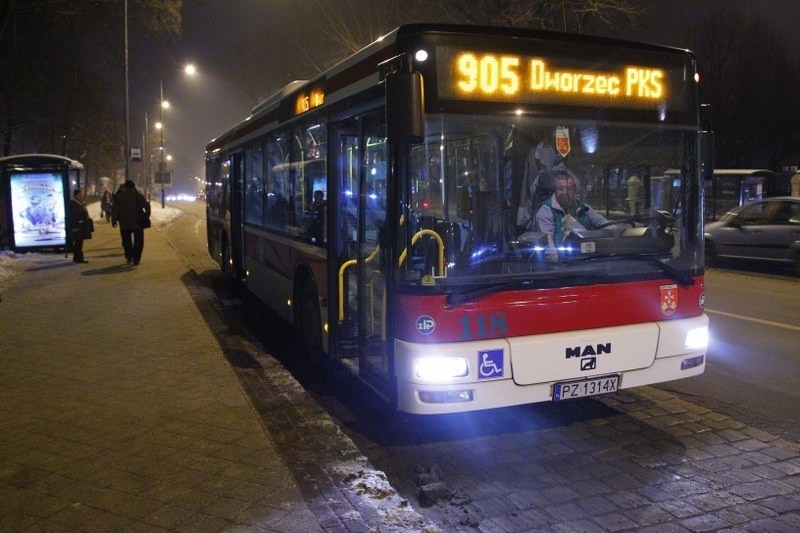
360, 222
236, 265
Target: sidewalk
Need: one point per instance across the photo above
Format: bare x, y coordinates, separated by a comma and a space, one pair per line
119, 412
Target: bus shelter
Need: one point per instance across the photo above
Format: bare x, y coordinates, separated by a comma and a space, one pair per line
34, 194
730, 188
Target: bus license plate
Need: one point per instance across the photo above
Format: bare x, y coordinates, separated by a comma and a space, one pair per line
588, 387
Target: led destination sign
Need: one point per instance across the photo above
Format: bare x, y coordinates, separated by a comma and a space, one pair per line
309, 99
502, 77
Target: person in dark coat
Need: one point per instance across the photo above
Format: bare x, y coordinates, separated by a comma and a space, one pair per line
129, 205
80, 225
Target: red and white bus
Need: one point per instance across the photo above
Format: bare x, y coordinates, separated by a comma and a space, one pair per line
426, 269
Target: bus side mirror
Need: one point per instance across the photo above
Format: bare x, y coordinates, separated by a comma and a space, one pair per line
405, 108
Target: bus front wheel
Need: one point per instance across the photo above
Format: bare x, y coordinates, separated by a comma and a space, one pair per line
712, 256
309, 322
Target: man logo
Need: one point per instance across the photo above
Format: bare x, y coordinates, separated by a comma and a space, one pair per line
589, 349
589, 363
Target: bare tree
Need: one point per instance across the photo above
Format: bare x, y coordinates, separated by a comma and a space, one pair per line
60, 60
348, 25
742, 61
577, 16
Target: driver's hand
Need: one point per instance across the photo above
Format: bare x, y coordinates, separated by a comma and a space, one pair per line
569, 223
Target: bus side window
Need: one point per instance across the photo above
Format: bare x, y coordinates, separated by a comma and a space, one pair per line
254, 194
276, 204
307, 173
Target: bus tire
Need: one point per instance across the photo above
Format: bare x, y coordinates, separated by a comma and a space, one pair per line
308, 320
796, 264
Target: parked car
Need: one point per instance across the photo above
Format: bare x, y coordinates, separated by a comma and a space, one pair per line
766, 230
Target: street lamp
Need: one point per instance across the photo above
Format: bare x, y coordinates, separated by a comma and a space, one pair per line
189, 70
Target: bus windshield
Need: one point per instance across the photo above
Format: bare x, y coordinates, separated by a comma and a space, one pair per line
495, 199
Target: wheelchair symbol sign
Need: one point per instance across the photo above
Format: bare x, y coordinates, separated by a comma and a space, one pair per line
490, 364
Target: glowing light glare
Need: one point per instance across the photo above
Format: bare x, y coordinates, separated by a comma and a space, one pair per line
589, 139
441, 368
697, 338
697, 77
662, 112
190, 69
518, 112
421, 55
165, 104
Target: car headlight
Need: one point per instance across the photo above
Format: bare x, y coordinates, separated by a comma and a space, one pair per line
441, 368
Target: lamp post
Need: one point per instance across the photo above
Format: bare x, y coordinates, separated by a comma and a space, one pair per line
148, 169
189, 70
164, 105
127, 154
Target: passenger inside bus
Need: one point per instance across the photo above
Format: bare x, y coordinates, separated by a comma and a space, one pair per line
316, 229
278, 208
543, 158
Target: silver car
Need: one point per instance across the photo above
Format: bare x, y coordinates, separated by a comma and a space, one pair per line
766, 230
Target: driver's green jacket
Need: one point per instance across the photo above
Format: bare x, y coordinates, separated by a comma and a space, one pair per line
550, 219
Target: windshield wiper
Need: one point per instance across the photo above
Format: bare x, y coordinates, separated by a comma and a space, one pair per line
471, 295
683, 278
458, 298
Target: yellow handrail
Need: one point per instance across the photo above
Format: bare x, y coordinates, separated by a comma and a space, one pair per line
417, 237
345, 266
342, 268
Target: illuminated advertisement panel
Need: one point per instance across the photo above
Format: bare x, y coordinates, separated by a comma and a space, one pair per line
38, 209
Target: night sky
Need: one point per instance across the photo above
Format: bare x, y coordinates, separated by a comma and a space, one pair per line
270, 40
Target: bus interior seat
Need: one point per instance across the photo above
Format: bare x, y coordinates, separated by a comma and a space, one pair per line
450, 232
488, 218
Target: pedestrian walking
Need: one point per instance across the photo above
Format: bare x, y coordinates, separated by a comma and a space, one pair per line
117, 193
106, 203
131, 211
80, 225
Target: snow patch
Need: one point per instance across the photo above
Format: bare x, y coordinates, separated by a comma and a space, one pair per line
396, 513
11, 263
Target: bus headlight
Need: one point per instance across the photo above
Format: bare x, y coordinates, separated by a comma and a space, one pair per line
441, 368
697, 339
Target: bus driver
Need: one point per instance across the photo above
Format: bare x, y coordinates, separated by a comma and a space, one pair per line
563, 213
